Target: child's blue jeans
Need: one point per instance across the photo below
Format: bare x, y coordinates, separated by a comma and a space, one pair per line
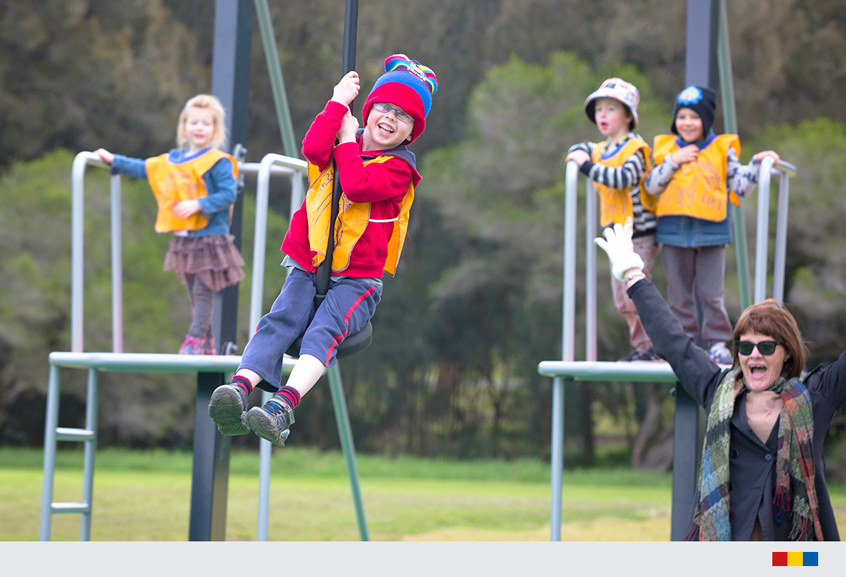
348, 306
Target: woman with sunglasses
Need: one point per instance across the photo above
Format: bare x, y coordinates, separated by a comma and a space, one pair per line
762, 474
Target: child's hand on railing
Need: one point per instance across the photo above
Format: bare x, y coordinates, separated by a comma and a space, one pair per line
762, 155
577, 156
105, 155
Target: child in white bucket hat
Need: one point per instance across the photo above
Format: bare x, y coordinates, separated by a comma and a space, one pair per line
617, 167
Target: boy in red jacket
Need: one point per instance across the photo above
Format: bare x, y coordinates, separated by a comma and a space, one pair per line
378, 175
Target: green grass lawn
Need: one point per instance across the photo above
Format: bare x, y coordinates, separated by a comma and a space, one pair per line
145, 496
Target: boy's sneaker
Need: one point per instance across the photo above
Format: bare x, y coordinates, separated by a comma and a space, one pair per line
228, 408
720, 354
272, 421
647, 356
193, 346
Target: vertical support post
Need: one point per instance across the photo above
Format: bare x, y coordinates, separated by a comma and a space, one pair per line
568, 337
703, 17
117, 265
762, 233
591, 218
51, 422
557, 457
230, 84
92, 404
700, 61
342, 418
265, 454
780, 256
210, 473
77, 252
685, 461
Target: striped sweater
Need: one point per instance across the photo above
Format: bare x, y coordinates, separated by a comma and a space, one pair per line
629, 175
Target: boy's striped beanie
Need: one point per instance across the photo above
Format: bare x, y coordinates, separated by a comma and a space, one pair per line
407, 84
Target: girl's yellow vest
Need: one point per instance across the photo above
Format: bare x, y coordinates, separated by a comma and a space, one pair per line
353, 218
698, 189
616, 205
172, 183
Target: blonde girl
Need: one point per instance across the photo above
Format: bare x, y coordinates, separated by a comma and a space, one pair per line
195, 186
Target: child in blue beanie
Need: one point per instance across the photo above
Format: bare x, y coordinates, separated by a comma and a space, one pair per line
696, 175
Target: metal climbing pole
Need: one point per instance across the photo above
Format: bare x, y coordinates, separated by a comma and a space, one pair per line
324, 271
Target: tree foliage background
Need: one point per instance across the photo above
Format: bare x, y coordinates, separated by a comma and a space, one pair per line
476, 302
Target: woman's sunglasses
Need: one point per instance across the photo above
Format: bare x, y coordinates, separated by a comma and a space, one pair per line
766, 348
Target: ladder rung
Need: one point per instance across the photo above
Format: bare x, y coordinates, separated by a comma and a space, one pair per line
71, 508
66, 434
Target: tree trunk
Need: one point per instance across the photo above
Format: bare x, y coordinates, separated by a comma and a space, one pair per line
649, 425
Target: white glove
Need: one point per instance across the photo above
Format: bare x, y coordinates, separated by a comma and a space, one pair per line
618, 244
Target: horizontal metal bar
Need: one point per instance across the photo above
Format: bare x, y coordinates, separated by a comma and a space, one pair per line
786, 167
58, 508
253, 168
288, 166
152, 362
657, 372
66, 434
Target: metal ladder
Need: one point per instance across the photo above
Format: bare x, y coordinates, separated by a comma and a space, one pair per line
52, 434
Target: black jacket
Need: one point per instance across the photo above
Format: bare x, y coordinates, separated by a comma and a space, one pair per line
752, 464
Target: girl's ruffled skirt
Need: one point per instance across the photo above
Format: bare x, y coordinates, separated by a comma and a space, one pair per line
214, 259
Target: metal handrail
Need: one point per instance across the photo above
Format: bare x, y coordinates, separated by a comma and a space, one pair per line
268, 162
785, 170
282, 166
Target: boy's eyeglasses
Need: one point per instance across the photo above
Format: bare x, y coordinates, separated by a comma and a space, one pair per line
402, 116
766, 348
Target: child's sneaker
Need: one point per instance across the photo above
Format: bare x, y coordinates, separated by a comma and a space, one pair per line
193, 346
228, 408
272, 421
647, 356
720, 354
210, 348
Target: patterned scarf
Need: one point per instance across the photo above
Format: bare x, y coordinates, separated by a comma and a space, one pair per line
794, 464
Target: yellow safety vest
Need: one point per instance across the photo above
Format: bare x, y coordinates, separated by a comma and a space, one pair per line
353, 218
698, 189
172, 183
616, 205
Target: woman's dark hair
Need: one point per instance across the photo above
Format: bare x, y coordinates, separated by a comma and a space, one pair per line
771, 318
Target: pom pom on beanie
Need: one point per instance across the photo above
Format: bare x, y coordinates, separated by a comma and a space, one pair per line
408, 84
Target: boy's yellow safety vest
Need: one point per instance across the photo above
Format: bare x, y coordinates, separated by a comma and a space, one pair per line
698, 189
352, 220
172, 183
616, 205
